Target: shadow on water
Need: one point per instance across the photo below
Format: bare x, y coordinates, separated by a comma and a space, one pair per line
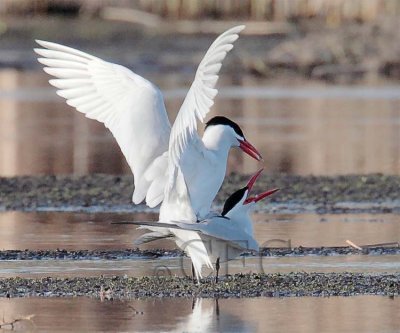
299, 128
335, 314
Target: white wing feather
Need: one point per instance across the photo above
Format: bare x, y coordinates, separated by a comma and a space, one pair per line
129, 105
198, 101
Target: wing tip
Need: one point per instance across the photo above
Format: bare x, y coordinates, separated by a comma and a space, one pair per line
60, 93
54, 82
48, 70
42, 61
37, 50
137, 198
236, 29
42, 43
153, 202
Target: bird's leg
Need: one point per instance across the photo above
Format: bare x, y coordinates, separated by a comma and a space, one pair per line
194, 303
217, 266
193, 273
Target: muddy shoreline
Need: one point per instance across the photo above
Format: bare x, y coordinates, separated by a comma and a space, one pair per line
239, 285
135, 253
374, 193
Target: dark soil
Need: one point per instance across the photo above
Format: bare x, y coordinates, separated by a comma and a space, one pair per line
239, 285
341, 194
60, 254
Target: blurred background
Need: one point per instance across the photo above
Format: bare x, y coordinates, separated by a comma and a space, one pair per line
313, 83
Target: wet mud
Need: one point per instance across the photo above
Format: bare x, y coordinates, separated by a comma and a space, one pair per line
61, 254
239, 285
373, 193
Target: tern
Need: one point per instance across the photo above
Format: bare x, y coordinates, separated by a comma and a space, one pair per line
224, 236
173, 166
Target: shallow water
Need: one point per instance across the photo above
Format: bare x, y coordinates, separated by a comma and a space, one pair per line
79, 231
299, 127
306, 314
182, 266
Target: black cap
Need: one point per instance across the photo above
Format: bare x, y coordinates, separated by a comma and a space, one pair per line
221, 120
233, 200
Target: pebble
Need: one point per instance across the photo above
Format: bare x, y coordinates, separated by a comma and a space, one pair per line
231, 286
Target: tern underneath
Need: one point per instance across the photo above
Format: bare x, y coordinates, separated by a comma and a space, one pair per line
224, 236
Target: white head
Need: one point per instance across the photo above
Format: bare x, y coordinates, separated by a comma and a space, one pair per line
223, 132
238, 206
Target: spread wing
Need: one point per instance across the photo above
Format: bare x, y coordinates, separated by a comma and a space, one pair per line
198, 101
129, 105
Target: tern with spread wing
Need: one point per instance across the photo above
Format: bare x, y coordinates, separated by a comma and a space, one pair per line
224, 236
166, 162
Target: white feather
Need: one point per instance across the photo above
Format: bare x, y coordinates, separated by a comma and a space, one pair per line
129, 105
133, 109
198, 100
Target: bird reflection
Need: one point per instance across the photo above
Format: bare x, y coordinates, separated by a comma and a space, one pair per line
207, 316
200, 320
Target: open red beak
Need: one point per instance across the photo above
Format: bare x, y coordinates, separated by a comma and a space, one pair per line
260, 196
253, 179
248, 148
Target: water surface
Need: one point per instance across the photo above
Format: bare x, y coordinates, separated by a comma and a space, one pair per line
181, 266
80, 231
306, 314
77, 231
299, 127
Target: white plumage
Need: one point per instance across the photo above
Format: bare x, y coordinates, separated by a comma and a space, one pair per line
134, 111
224, 236
129, 105
173, 166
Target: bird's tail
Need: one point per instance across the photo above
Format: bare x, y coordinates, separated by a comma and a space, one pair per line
151, 237
192, 244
